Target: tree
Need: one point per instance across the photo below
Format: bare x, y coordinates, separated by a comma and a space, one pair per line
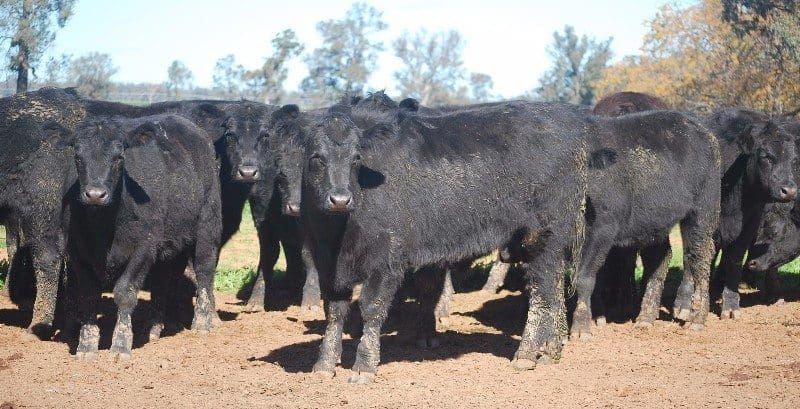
695, 59
57, 70
92, 74
227, 77
347, 56
266, 82
28, 26
179, 78
577, 63
481, 87
433, 68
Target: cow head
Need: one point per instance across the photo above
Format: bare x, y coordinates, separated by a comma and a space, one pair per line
772, 153
100, 147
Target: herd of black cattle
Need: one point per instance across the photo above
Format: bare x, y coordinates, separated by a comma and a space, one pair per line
98, 195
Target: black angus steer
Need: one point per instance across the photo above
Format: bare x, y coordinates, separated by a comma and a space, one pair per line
146, 199
34, 176
778, 239
648, 172
757, 156
413, 192
616, 281
32, 209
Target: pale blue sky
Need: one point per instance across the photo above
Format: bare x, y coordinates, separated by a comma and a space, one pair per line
504, 38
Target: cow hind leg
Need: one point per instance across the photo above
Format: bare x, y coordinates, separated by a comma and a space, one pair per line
655, 260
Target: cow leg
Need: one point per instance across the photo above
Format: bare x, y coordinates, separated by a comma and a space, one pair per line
497, 276
773, 287
311, 292
47, 262
655, 259
88, 295
698, 253
445, 292
337, 306
377, 295
430, 285
205, 258
546, 325
126, 292
730, 270
269, 250
595, 250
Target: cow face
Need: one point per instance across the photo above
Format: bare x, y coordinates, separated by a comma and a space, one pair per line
99, 148
778, 240
284, 133
772, 151
244, 141
331, 163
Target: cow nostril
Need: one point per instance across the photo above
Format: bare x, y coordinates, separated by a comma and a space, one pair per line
789, 192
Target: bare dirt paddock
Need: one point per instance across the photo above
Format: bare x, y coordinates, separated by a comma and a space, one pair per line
264, 359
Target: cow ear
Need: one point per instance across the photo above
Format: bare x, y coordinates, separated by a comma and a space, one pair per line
286, 113
209, 116
143, 134
58, 135
410, 104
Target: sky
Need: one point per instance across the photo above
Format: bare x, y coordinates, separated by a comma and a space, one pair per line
506, 39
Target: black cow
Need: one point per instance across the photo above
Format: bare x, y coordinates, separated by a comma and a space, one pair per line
778, 240
32, 210
413, 192
757, 156
616, 281
647, 173
147, 199
33, 180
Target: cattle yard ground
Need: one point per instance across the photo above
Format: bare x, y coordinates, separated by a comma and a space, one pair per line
264, 359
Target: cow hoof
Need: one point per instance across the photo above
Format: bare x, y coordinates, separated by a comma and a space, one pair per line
251, 308
43, 332
89, 356
600, 321
121, 356
695, 327
683, 314
324, 374
581, 335
428, 343
523, 364
779, 302
361, 378
729, 314
643, 325
545, 359
155, 333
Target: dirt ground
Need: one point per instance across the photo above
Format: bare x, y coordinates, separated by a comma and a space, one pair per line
264, 359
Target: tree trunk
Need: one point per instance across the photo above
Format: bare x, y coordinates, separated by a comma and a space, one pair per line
22, 67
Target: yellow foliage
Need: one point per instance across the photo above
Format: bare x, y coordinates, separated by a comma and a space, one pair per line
692, 59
